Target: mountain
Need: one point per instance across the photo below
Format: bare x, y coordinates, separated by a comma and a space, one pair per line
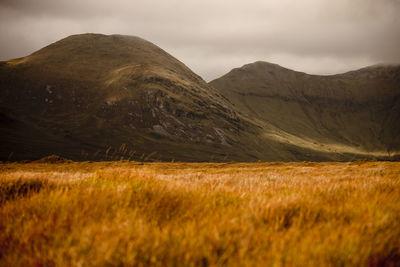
93, 96
109, 97
350, 115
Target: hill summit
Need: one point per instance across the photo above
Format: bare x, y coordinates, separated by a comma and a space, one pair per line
103, 97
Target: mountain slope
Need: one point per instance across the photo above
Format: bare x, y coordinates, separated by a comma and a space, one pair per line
356, 114
99, 97
104, 97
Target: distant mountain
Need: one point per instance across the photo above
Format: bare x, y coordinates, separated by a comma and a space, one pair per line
351, 115
99, 97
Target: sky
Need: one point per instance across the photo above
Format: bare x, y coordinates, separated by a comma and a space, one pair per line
214, 36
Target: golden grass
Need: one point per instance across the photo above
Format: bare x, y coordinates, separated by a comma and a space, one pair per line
271, 214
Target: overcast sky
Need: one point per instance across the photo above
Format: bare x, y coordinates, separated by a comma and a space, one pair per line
214, 36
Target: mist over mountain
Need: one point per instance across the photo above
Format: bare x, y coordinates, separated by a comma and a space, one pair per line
99, 97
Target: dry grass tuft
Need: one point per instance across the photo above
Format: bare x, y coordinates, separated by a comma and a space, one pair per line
161, 214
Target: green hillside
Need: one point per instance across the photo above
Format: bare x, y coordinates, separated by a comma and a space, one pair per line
94, 96
356, 113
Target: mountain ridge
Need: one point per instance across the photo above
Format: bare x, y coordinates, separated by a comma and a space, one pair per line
103, 97
315, 107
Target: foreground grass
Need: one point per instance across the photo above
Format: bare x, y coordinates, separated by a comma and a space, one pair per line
200, 214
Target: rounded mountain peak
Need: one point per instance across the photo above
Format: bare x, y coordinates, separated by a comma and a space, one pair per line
97, 54
120, 46
261, 64
259, 71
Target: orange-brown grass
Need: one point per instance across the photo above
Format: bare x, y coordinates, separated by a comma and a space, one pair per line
271, 214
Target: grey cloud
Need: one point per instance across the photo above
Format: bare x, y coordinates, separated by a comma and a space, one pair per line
214, 36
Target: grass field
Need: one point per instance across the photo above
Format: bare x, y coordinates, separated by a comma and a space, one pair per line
230, 214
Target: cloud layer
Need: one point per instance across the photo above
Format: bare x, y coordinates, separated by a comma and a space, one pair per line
214, 36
